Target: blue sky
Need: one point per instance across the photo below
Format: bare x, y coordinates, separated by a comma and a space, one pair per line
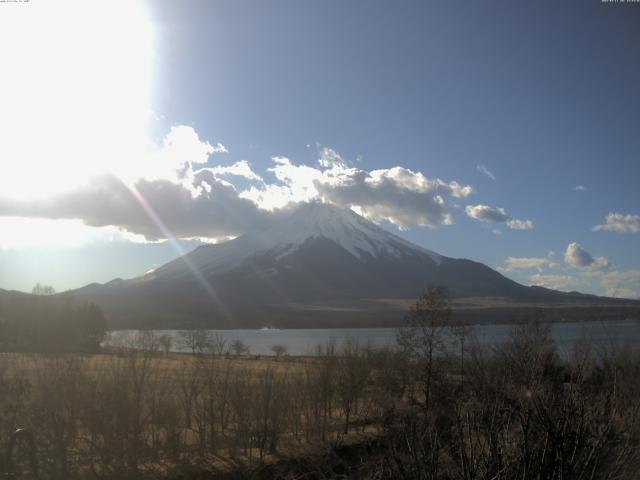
520, 102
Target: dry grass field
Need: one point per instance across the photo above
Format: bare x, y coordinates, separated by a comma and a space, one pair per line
466, 413
142, 413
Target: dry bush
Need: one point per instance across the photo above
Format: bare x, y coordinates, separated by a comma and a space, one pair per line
525, 413
353, 371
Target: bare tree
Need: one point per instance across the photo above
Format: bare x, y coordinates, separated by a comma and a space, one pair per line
424, 333
239, 347
217, 344
165, 342
196, 340
279, 350
352, 375
39, 289
147, 341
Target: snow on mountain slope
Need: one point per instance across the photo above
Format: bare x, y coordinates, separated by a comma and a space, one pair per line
346, 228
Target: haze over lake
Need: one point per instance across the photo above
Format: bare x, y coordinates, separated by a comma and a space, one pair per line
604, 335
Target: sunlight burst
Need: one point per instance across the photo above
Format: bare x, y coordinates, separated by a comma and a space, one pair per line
76, 93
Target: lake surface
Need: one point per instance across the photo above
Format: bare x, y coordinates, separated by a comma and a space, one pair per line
305, 341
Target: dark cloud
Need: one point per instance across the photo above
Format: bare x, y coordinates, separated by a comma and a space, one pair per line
214, 210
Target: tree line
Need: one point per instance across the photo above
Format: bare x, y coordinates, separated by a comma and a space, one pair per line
45, 322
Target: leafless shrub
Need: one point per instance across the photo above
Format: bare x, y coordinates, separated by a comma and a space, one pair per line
424, 335
195, 341
238, 347
165, 342
217, 344
353, 370
279, 350
57, 395
270, 410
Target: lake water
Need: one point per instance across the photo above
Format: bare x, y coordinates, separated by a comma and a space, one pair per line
305, 341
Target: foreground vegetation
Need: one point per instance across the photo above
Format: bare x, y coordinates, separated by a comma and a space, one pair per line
43, 322
428, 409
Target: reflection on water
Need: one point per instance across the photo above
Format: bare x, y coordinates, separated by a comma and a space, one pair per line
305, 341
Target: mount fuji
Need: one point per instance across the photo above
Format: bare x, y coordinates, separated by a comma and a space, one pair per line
320, 266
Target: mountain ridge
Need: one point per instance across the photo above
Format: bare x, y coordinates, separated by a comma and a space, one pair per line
316, 258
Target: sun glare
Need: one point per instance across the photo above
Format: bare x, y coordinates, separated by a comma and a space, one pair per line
23, 233
75, 95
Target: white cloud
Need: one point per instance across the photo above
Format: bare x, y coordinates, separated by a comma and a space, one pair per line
398, 195
600, 263
556, 282
587, 274
219, 148
181, 153
241, 168
513, 263
329, 158
579, 188
295, 183
576, 256
624, 284
488, 214
182, 145
482, 169
621, 279
618, 222
520, 224
485, 213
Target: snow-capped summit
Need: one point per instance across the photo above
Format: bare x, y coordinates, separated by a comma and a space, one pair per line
353, 233
346, 228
